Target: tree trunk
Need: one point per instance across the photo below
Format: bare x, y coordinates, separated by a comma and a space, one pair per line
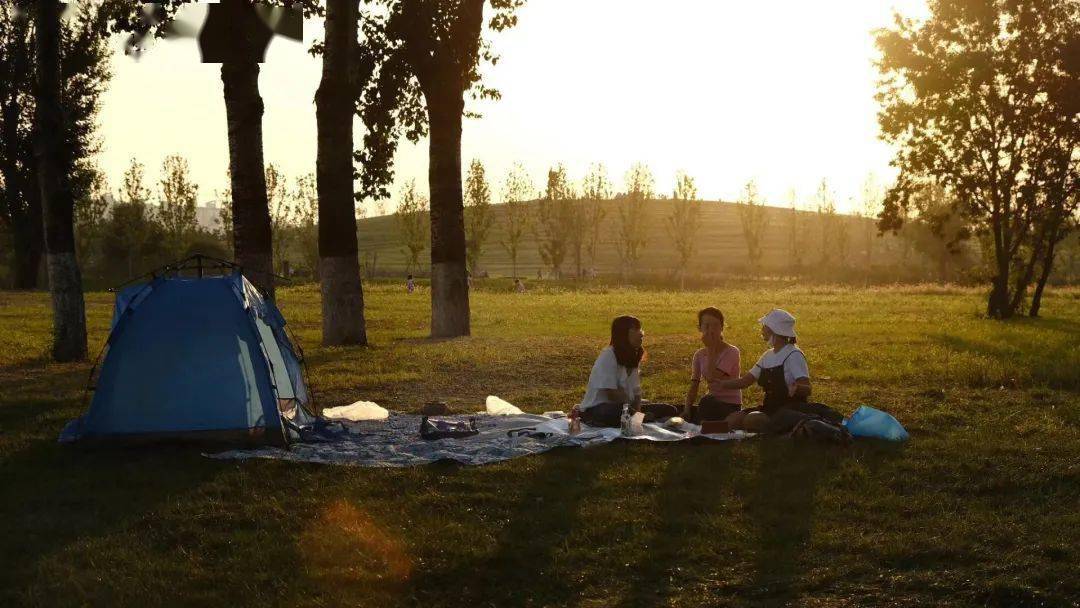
339, 264
252, 240
58, 205
449, 289
1044, 276
26, 258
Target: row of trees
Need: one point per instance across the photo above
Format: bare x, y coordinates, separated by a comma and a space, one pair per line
139, 226
405, 74
570, 222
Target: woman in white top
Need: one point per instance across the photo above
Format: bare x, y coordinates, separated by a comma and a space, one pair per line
615, 379
781, 371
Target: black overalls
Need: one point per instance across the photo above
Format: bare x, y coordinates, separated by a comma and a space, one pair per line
772, 381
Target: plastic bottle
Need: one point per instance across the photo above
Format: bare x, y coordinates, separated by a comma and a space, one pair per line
575, 421
624, 422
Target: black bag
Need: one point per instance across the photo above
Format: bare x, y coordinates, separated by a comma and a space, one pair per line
821, 430
431, 428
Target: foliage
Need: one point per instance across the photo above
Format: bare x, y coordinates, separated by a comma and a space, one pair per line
827, 221
224, 220
754, 222
516, 219
416, 57
306, 203
632, 237
478, 216
177, 199
685, 221
91, 214
282, 213
85, 73
983, 99
556, 219
413, 220
595, 189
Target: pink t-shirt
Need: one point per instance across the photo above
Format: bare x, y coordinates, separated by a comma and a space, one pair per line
727, 363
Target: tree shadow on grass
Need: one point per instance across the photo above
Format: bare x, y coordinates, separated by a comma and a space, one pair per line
1048, 364
524, 568
697, 473
56, 496
781, 507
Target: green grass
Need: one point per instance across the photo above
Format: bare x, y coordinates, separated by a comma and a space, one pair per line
978, 508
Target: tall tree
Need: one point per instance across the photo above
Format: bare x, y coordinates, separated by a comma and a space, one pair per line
684, 222
65, 280
478, 216
84, 67
754, 220
132, 222
555, 219
595, 189
177, 202
412, 217
346, 67
439, 43
252, 234
825, 204
796, 234
632, 236
983, 98
871, 208
516, 219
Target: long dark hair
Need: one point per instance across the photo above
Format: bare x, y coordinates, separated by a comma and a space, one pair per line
626, 355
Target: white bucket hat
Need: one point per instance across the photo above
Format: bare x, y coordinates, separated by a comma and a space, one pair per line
780, 321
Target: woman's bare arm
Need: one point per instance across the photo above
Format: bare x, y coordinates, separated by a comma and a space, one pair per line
745, 381
691, 395
802, 388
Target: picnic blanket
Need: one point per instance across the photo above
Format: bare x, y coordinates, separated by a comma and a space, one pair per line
505, 432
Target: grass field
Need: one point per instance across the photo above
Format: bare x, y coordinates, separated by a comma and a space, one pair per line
978, 508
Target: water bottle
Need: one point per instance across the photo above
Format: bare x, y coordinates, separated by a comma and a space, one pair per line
575, 421
624, 422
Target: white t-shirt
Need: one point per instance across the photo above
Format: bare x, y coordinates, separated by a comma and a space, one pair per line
795, 366
608, 374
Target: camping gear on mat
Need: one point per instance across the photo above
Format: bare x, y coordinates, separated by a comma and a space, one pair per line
869, 422
433, 428
195, 358
394, 442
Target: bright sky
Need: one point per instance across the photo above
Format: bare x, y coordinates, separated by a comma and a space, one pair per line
779, 91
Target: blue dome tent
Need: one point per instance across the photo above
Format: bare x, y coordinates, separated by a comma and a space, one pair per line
196, 358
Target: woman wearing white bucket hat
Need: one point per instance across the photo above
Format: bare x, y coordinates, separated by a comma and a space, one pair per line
782, 372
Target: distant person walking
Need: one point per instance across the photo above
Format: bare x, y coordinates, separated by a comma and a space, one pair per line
410, 284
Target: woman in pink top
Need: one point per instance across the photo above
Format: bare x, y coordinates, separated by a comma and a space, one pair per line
716, 362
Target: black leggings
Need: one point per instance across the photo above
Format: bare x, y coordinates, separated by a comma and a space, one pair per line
610, 414
711, 408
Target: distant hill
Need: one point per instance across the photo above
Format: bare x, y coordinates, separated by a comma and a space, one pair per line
721, 248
